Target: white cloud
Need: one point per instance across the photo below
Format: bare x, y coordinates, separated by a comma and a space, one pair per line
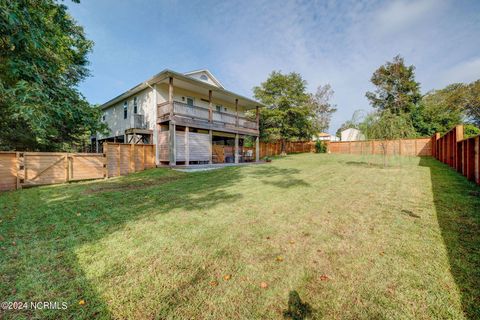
402, 14
467, 71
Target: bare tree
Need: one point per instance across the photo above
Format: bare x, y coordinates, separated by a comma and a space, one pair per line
322, 107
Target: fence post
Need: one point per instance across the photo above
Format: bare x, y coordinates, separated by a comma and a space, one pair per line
105, 161
477, 160
17, 185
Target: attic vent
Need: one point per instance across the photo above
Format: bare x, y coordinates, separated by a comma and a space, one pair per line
204, 77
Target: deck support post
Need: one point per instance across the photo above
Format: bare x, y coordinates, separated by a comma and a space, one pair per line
257, 117
210, 107
170, 95
236, 147
210, 147
187, 146
236, 112
257, 148
172, 149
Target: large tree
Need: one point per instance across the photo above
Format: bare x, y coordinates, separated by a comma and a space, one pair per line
43, 57
472, 103
439, 110
288, 115
396, 88
321, 106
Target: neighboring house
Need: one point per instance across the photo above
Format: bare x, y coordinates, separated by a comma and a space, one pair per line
184, 115
351, 134
322, 136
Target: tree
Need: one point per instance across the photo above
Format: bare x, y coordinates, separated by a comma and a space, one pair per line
472, 104
357, 117
396, 88
43, 57
385, 126
289, 116
321, 107
439, 110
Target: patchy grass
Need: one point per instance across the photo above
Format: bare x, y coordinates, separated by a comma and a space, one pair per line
308, 236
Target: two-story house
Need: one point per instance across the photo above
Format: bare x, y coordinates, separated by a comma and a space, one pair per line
189, 117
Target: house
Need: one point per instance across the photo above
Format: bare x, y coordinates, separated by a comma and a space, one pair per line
351, 134
322, 136
190, 117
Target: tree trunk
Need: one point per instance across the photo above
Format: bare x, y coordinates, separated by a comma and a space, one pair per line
284, 148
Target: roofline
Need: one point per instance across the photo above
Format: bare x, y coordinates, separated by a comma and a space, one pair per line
209, 74
162, 75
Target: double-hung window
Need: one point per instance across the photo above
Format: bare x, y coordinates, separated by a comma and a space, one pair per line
135, 105
125, 110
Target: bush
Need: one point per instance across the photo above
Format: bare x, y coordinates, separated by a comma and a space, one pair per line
320, 147
469, 130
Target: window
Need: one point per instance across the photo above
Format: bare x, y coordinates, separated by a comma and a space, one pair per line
190, 101
125, 110
219, 107
104, 117
135, 105
204, 77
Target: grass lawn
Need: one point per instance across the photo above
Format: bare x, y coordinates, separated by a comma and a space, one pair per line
316, 236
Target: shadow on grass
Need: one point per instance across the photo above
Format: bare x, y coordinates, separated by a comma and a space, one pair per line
297, 309
41, 228
282, 177
365, 164
458, 212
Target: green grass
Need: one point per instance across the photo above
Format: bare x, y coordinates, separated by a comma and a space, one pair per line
331, 235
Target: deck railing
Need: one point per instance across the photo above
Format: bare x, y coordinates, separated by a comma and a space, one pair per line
201, 113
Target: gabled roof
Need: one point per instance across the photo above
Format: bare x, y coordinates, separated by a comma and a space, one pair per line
162, 75
205, 72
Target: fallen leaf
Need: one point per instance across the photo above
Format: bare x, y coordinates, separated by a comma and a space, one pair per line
214, 283
227, 277
264, 285
1, 238
14, 243
324, 277
279, 258
268, 238
78, 214
81, 302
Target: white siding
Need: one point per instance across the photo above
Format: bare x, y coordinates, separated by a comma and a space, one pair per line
114, 114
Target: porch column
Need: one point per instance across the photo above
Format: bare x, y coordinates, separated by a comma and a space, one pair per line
187, 146
156, 127
172, 149
210, 147
236, 147
257, 149
170, 95
210, 110
257, 117
236, 112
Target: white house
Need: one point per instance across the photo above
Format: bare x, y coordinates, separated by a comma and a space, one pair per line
185, 115
322, 136
351, 134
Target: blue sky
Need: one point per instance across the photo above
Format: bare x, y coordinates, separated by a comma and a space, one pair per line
241, 42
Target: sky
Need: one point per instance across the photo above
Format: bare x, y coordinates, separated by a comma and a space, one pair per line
340, 43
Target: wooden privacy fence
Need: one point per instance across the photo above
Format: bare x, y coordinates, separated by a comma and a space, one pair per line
123, 159
461, 154
275, 148
24, 169
400, 147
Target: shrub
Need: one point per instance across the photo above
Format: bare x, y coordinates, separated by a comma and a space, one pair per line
320, 146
